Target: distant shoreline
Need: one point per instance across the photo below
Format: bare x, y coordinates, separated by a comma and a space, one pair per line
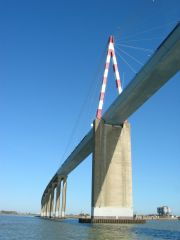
14, 213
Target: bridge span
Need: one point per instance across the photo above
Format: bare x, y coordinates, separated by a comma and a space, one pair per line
164, 63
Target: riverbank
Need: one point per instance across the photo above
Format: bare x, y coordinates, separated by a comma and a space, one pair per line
14, 213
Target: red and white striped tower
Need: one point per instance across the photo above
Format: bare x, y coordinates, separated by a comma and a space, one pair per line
110, 54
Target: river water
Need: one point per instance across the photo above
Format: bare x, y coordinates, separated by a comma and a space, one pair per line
33, 228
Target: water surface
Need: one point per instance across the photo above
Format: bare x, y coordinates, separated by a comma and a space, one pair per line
32, 228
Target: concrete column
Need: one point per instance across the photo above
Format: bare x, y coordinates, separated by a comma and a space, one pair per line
111, 171
42, 208
64, 197
58, 193
52, 201
48, 203
45, 206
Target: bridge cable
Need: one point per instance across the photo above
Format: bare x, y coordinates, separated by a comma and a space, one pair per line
138, 48
83, 107
135, 59
91, 97
173, 23
125, 61
139, 40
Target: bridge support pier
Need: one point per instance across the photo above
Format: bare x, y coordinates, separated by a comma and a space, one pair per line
48, 203
52, 201
111, 171
45, 206
43, 209
57, 203
64, 197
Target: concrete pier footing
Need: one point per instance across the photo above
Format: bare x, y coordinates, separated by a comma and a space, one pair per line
113, 221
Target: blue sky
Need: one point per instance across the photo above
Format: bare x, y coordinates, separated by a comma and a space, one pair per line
51, 63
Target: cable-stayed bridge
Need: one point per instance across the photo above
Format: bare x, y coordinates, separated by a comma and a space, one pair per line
109, 141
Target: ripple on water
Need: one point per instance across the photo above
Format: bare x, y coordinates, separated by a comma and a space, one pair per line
32, 228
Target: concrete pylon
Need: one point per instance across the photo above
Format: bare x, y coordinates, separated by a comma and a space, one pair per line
111, 171
63, 209
48, 203
42, 209
45, 206
58, 193
52, 201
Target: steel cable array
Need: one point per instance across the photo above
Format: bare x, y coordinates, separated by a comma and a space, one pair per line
89, 104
